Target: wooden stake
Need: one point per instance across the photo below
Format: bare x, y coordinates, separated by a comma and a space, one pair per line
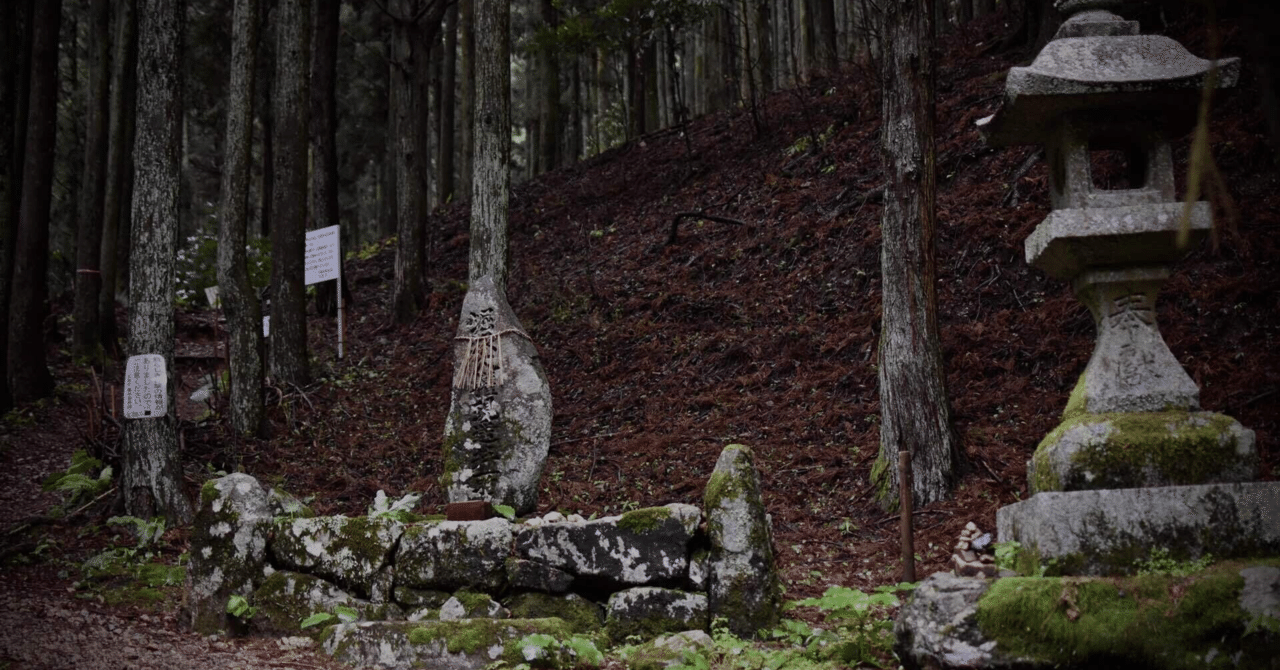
904, 495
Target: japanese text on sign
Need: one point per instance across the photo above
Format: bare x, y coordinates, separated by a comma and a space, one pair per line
145, 381
323, 256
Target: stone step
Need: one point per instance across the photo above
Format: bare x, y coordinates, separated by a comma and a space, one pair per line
465, 644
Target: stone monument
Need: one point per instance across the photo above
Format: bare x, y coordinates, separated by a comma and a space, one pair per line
1135, 463
498, 430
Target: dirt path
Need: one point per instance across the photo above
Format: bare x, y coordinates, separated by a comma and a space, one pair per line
46, 623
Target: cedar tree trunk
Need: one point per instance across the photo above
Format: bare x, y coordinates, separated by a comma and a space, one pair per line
239, 300
914, 414
86, 334
492, 180
151, 477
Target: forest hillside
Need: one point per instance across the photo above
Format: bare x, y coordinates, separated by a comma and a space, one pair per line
664, 343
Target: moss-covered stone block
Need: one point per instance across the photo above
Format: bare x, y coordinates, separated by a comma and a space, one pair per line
1148, 621
470, 644
228, 549
1137, 449
743, 584
452, 555
643, 547
648, 611
348, 551
537, 576
286, 598
582, 615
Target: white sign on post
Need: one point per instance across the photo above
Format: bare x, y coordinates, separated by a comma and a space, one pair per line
323, 259
145, 387
324, 262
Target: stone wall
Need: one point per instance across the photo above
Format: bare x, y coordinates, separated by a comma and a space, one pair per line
642, 573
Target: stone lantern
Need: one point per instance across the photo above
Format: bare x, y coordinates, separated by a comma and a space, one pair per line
1133, 422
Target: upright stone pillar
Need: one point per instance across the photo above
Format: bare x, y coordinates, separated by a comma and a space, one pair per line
498, 430
1100, 90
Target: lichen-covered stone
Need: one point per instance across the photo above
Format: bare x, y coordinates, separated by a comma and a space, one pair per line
938, 626
699, 570
286, 598
228, 549
452, 555
648, 611
469, 605
1104, 532
666, 651
469, 644
643, 547
411, 597
286, 504
1140, 449
743, 587
498, 430
582, 615
537, 576
349, 551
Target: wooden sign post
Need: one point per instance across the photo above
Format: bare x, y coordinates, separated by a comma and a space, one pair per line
324, 262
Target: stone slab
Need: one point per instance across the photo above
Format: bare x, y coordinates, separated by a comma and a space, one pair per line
1070, 240
1103, 532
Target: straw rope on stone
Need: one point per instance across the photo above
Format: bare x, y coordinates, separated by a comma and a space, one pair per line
481, 364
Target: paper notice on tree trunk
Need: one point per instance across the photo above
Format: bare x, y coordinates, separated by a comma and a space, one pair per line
145, 382
323, 256
266, 326
211, 294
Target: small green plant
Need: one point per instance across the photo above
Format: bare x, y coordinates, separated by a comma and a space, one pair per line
315, 620
84, 480
1161, 563
239, 608
542, 650
507, 511
400, 510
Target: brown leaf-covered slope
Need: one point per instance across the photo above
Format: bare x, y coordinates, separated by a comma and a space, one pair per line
764, 333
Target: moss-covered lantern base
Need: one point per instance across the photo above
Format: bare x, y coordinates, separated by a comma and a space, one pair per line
1143, 449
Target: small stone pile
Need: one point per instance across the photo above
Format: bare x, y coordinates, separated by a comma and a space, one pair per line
972, 557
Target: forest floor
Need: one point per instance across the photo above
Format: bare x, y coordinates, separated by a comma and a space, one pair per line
661, 353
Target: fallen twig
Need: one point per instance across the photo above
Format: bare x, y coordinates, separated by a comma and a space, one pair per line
675, 222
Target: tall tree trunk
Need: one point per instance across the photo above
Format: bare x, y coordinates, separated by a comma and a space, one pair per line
324, 128
549, 72
650, 63
407, 294
239, 300
151, 478
827, 48
964, 11
123, 82
467, 104
267, 116
764, 33
983, 7
28, 372
289, 360
10, 165
86, 335
448, 102
492, 182
914, 412
389, 175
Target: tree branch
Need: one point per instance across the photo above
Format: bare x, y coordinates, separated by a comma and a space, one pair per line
675, 222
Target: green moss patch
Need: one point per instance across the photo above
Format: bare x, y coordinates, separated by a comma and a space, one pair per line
642, 521
580, 614
474, 636
1168, 448
1147, 621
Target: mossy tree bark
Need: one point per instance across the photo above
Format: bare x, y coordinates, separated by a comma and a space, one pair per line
151, 478
914, 411
85, 333
239, 300
28, 372
119, 165
491, 180
289, 361
549, 72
